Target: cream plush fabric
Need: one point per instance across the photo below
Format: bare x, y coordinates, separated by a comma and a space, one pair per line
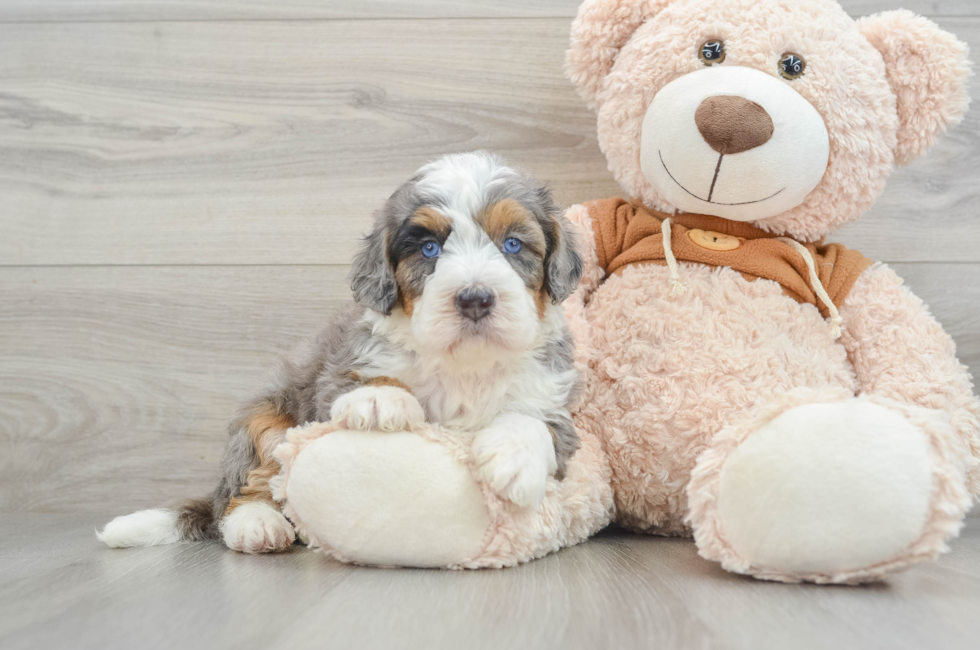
725, 410
414, 499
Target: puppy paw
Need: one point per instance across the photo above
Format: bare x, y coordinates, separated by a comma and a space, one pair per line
385, 408
257, 527
515, 455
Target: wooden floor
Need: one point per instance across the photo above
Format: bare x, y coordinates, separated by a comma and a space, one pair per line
60, 589
181, 186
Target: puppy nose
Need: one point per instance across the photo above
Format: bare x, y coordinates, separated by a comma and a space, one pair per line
474, 303
731, 124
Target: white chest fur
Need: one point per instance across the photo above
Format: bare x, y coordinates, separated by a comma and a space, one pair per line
469, 394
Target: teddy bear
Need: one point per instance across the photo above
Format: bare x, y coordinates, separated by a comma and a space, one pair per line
787, 402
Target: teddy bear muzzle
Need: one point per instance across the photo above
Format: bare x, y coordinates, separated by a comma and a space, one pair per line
733, 142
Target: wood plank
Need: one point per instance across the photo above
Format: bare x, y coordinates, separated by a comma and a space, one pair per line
116, 383
253, 142
213, 10
952, 292
113, 377
60, 588
161, 10
231, 143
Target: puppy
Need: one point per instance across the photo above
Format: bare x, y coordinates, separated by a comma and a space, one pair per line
456, 320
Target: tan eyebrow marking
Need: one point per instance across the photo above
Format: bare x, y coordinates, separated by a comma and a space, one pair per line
510, 217
432, 219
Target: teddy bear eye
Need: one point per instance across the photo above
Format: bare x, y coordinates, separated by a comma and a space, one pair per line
712, 52
791, 66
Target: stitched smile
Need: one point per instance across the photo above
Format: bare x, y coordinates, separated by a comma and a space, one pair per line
713, 180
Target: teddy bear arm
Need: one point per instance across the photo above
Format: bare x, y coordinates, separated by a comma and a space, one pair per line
592, 276
592, 273
899, 351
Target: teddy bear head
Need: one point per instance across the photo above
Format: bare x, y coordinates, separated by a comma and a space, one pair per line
788, 114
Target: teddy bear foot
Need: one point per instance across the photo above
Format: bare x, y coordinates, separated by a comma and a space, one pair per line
386, 498
841, 492
421, 498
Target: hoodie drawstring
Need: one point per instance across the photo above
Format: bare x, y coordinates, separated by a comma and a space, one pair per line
675, 277
679, 289
835, 318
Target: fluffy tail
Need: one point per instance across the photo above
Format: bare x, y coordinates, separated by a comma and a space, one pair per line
191, 522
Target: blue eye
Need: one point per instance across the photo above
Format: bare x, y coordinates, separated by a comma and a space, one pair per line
512, 245
431, 249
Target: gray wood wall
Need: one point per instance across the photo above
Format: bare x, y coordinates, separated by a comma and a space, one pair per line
182, 184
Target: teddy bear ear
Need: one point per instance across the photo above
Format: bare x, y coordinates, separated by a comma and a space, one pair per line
601, 28
927, 69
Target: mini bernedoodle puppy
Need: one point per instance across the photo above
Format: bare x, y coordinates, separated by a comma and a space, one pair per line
456, 320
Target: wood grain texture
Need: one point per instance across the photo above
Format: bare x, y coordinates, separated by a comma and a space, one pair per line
59, 588
181, 185
272, 142
116, 382
169, 10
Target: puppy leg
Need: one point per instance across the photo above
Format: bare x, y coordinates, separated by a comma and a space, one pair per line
252, 522
257, 527
515, 455
382, 403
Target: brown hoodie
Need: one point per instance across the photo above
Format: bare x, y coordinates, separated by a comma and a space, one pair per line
628, 234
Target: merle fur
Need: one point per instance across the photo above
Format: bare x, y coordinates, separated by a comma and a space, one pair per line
308, 380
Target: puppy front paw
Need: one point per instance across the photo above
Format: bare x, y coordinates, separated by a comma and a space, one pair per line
385, 408
515, 455
257, 527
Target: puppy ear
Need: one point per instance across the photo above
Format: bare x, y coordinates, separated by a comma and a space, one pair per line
562, 263
927, 70
371, 275
600, 30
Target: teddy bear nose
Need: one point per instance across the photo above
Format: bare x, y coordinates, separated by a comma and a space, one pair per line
731, 124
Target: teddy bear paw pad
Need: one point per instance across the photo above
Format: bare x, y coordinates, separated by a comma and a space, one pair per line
826, 488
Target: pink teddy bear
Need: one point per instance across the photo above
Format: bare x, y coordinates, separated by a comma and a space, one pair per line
789, 403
